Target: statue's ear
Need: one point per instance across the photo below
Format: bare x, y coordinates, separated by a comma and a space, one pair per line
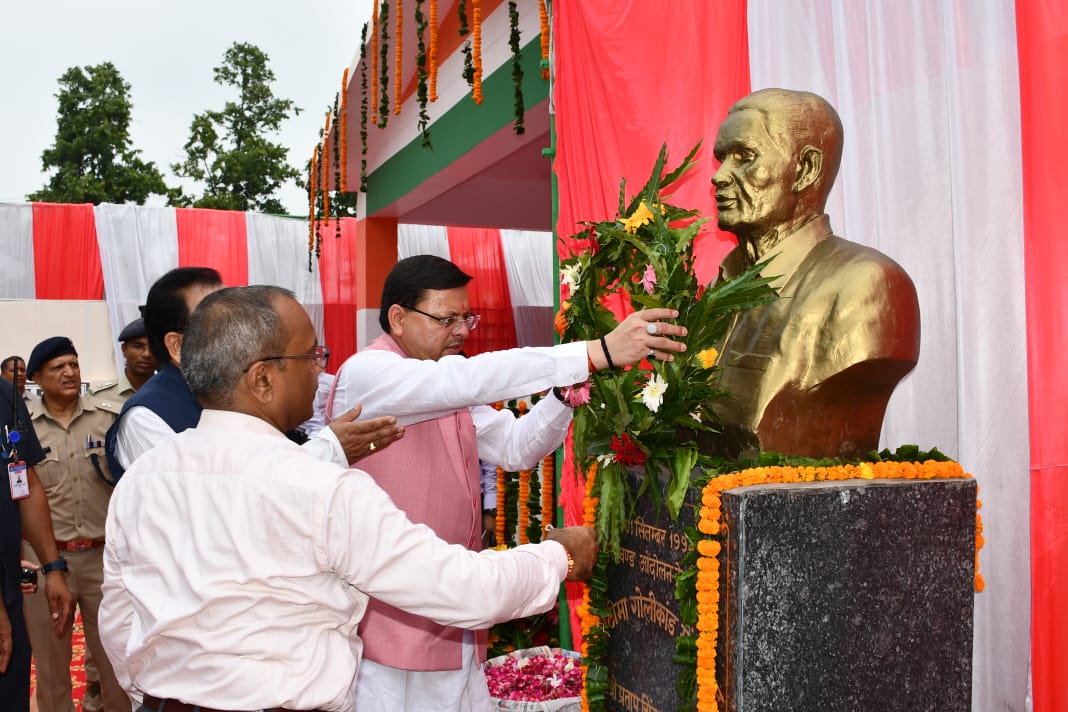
809, 167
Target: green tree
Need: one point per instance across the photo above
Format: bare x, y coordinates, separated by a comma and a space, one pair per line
228, 151
92, 156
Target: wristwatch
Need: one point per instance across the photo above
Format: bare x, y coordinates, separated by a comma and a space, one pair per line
59, 564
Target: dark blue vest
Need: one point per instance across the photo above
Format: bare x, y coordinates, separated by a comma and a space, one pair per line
165, 394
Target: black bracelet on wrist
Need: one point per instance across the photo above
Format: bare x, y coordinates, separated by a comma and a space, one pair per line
607, 356
59, 564
560, 396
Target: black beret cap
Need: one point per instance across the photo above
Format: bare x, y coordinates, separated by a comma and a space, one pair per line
134, 330
46, 351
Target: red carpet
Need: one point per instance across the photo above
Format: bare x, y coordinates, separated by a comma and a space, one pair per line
77, 668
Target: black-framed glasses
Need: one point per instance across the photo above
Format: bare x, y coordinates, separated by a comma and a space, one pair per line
320, 354
469, 320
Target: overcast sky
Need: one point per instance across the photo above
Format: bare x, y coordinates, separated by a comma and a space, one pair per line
166, 51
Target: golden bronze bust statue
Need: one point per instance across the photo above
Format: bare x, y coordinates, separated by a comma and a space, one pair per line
811, 372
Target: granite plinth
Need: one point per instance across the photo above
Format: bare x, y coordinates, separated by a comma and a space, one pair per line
848, 596
836, 597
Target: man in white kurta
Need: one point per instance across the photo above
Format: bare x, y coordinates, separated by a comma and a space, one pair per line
415, 371
237, 566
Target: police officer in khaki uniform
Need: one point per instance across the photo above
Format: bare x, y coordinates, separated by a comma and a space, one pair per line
75, 477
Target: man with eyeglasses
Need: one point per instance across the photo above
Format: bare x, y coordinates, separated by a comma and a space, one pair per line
255, 607
165, 406
415, 372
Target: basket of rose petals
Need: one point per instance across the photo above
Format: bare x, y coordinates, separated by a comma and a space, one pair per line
539, 679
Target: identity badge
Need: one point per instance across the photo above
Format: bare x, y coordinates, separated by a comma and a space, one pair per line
19, 481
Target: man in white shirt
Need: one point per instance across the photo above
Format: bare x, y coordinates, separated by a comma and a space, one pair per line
237, 566
416, 372
164, 406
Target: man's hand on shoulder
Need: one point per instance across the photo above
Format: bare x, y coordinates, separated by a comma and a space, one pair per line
581, 546
360, 438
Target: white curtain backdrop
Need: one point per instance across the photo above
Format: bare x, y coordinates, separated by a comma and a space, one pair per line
137, 246
528, 259
275, 246
928, 94
16, 251
422, 240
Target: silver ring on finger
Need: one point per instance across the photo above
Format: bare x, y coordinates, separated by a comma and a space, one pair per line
372, 447
651, 355
651, 328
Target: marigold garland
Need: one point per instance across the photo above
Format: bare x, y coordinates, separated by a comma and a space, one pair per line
432, 70
398, 88
476, 49
548, 480
344, 129
313, 173
708, 573
335, 144
543, 16
594, 634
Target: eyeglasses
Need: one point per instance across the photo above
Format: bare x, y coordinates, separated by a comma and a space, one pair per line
320, 354
469, 320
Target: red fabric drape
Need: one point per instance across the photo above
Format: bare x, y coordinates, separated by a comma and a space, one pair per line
214, 238
1042, 42
337, 275
631, 76
478, 252
66, 257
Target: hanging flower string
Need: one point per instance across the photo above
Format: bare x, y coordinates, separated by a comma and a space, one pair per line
344, 183
463, 31
594, 598
335, 144
374, 53
432, 71
476, 49
313, 175
383, 70
548, 480
517, 66
363, 110
543, 17
708, 592
421, 69
398, 63
326, 170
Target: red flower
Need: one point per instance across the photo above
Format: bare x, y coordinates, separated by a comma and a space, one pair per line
627, 451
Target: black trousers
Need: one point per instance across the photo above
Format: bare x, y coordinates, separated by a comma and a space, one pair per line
15, 682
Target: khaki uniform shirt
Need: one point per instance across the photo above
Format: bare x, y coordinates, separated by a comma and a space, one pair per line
112, 394
77, 496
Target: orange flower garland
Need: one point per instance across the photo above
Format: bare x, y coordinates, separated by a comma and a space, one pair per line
543, 15
313, 182
498, 524
476, 43
374, 52
432, 57
397, 86
548, 477
343, 126
588, 620
524, 492
708, 591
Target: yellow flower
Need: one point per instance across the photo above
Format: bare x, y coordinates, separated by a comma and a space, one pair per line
641, 216
708, 357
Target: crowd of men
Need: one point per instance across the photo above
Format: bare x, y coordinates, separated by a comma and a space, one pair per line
231, 567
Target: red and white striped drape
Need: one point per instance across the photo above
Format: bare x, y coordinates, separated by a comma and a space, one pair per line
939, 100
59, 251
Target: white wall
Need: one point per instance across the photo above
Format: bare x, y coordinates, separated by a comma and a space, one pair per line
27, 322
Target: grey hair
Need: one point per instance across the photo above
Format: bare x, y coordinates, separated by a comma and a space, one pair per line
229, 331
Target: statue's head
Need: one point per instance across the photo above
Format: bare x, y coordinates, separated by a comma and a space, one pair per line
779, 152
